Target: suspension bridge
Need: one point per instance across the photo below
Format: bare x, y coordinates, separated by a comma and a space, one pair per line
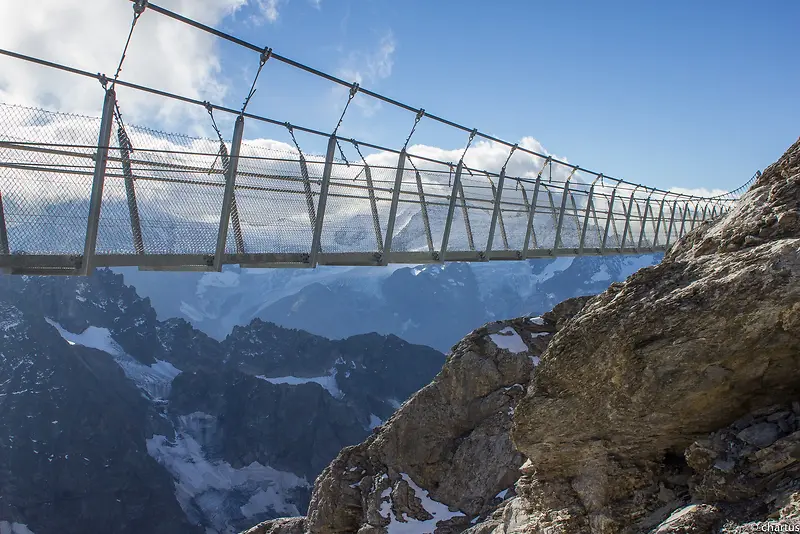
79, 192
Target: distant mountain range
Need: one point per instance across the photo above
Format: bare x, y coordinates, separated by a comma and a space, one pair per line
434, 305
114, 421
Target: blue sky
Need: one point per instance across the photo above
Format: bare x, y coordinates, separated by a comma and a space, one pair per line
668, 93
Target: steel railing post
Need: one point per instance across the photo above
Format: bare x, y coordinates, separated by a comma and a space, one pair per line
498, 193
643, 229
398, 184
451, 209
609, 219
671, 223
529, 230
628, 220
373, 205
98, 180
423, 207
227, 198
327, 171
589, 200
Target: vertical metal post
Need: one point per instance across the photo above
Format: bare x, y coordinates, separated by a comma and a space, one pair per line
398, 184
498, 192
531, 214
658, 222
694, 216
373, 204
628, 219
564, 194
227, 198
683, 220
4, 249
671, 223
98, 179
465, 213
448, 224
423, 206
589, 201
643, 229
609, 219
323, 200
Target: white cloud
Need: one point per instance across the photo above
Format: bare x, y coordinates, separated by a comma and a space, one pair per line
268, 10
316, 3
90, 35
368, 68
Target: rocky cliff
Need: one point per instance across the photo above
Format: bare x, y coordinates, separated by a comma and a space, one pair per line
448, 447
663, 405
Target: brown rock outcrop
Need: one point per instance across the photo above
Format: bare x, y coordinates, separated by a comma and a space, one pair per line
444, 456
677, 351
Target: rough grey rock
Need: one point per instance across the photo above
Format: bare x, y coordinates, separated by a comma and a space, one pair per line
677, 351
449, 443
289, 525
692, 519
760, 435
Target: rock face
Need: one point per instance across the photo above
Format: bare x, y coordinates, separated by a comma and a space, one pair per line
112, 421
723, 484
445, 457
677, 351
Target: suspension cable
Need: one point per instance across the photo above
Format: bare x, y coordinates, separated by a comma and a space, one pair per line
513, 148
265, 55
138, 8
351, 96
223, 151
420, 114
472, 135
355, 145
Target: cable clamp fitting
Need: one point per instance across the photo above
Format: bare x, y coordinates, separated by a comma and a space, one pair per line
139, 6
354, 89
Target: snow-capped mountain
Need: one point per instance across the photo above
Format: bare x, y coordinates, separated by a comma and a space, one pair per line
112, 421
434, 305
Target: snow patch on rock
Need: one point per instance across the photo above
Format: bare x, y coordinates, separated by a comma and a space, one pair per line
211, 491
7, 527
602, 275
508, 339
327, 381
155, 380
409, 525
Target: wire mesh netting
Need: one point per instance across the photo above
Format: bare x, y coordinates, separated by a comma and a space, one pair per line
163, 194
351, 218
176, 184
46, 166
277, 195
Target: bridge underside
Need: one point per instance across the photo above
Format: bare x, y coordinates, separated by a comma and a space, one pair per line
78, 193
71, 265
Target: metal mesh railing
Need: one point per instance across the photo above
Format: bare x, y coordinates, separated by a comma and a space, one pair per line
163, 196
